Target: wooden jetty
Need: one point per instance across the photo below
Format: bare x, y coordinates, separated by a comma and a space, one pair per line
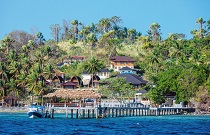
99, 109
102, 112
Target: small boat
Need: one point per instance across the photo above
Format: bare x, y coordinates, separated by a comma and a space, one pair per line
36, 111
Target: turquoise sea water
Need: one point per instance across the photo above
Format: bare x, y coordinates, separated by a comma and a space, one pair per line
20, 124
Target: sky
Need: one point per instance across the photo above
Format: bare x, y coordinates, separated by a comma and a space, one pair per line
174, 16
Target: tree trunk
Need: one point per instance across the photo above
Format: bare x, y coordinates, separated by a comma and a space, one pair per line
92, 81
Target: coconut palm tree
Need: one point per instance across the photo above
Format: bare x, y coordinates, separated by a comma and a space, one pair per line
75, 23
7, 41
85, 31
35, 81
3, 81
105, 24
91, 39
48, 72
92, 66
155, 29
21, 81
200, 21
132, 34
40, 38
31, 44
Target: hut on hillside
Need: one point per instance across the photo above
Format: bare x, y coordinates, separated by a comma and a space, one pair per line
94, 80
57, 81
76, 80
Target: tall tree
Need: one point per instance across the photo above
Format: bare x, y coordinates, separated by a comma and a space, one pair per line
21, 38
200, 21
7, 41
40, 38
155, 29
75, 23
132, 34
84, 32
91, 39
55, 31
105, 24
65, 34
92, 66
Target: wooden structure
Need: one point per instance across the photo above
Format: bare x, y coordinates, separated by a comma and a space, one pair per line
74, 94
57, 81
77, 80
103, 73
69, 85
131, 111
118, 62
94, 80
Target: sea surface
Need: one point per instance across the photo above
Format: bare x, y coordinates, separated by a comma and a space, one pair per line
20, 124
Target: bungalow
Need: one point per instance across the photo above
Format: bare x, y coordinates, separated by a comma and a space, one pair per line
134, 80
118, 62
103, 73
76, 80
57, 81
94, 81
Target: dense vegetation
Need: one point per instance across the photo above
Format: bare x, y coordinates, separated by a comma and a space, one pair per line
174, 64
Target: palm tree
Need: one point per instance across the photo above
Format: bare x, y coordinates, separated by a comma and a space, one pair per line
48, 72
7, 41
105, 24
40, 38
31, 44
85, 31
155, 27
75, 23
132, 34
47, 50
40, 58
92, 66
201, 22
21, 81
4, 74
35, 83
91, 39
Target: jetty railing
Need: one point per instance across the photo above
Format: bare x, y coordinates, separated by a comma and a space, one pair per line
126, 110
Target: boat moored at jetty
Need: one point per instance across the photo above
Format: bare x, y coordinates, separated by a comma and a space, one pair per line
36, 111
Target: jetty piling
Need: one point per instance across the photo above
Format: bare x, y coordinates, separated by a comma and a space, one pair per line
125, 111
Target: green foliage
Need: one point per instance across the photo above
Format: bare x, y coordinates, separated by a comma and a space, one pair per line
117, 88
93, 65
171, 65
177, 66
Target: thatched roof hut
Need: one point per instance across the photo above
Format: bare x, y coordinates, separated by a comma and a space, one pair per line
74, 94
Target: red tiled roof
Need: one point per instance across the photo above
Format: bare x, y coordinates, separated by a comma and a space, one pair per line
121, 58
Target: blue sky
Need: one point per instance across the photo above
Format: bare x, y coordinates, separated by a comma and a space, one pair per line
174, 16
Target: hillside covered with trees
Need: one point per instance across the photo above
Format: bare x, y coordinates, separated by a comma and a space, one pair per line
174, 64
